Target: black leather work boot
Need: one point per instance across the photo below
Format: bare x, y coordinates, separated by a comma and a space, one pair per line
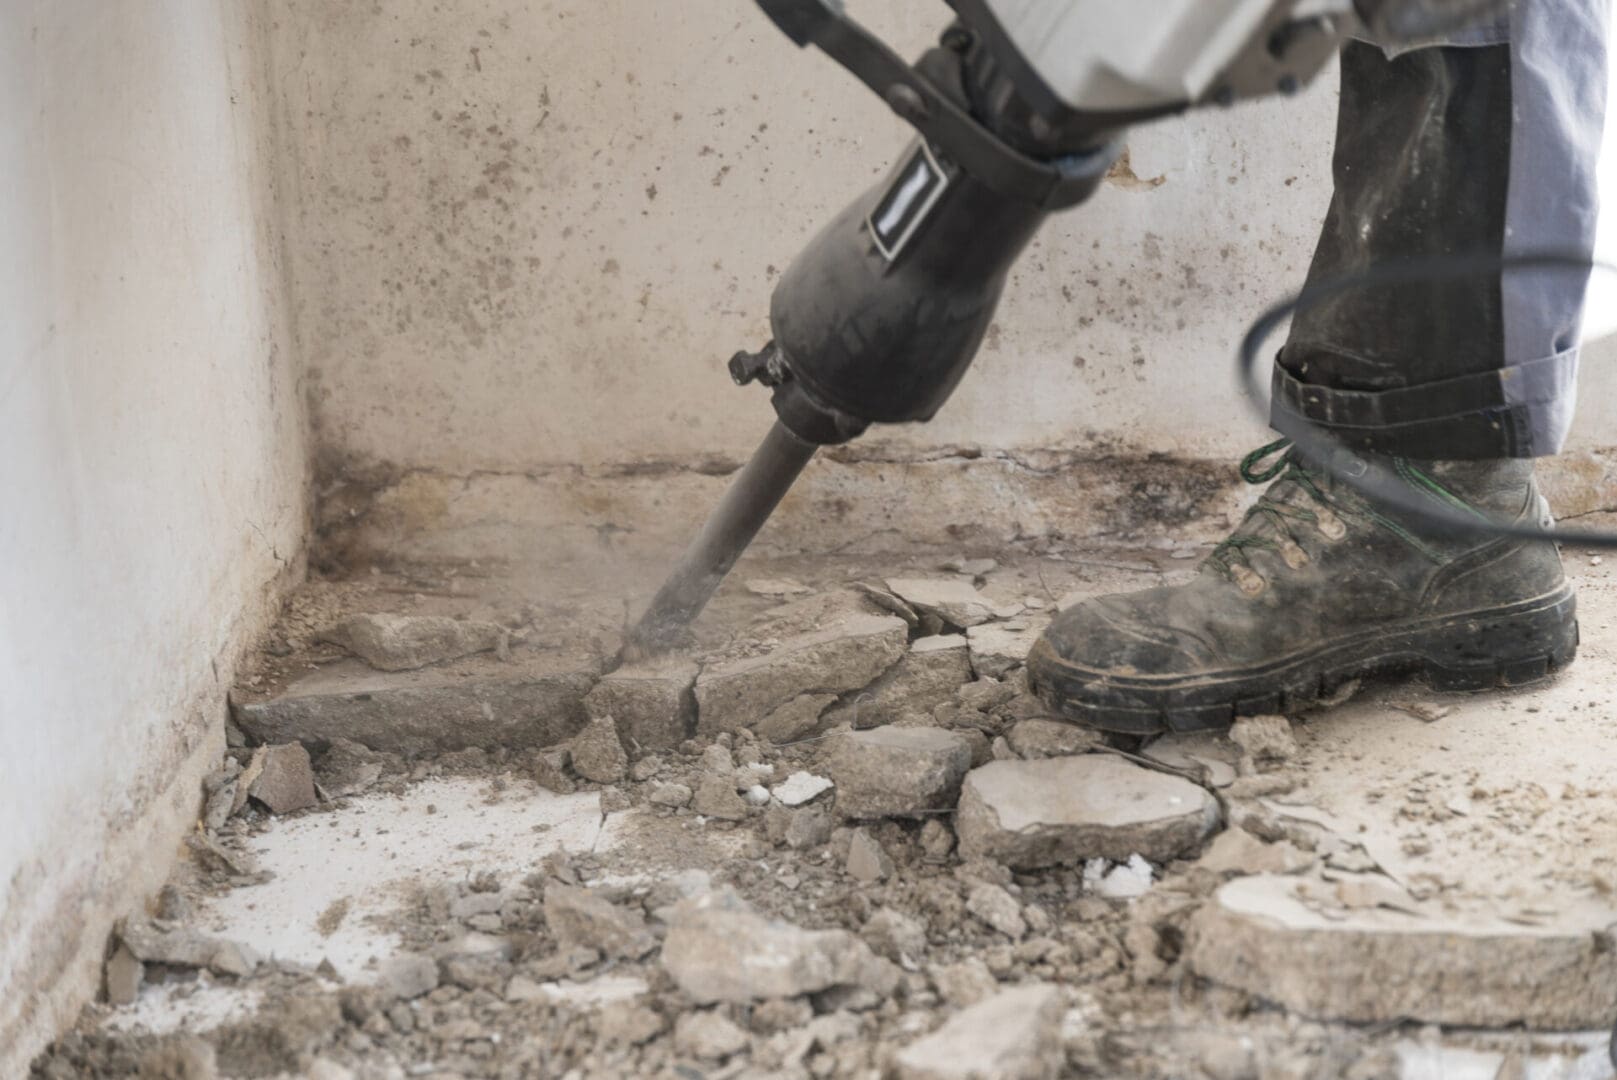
1316, 587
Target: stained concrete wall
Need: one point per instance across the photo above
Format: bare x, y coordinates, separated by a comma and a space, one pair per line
530, 236
153, 458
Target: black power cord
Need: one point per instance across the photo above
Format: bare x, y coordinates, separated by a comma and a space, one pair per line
1376, 482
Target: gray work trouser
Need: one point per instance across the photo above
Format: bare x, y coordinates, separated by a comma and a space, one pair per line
1484, 144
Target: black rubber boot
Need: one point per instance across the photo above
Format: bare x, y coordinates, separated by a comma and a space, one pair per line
1317, 587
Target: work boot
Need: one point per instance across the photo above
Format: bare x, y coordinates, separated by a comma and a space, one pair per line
1316, 587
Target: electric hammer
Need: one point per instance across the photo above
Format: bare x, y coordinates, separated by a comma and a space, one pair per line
1019, 112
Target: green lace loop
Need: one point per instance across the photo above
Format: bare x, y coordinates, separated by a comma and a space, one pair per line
1250, 463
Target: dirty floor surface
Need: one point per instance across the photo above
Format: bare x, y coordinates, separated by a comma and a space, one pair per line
839, 838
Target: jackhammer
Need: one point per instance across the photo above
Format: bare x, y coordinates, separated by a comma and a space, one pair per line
1020, 111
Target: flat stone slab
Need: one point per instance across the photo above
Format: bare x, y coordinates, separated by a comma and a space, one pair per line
926, 677
1062, 811
1374, 965
848, 655
536, 700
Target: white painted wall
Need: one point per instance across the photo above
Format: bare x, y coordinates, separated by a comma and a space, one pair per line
531, 235
152, 458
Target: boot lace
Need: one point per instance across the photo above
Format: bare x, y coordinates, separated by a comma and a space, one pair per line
1323, 512
1230, 556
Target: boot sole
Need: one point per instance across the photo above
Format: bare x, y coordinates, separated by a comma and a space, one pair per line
1478, 650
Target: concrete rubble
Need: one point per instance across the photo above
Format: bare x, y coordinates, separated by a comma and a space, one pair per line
846, 840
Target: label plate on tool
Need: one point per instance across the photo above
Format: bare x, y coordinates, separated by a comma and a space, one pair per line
916, 189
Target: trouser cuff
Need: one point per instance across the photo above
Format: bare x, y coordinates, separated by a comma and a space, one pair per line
1518, 411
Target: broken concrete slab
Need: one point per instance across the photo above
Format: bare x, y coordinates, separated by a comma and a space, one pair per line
719, 948
848, 655
799, 718
1032, 814
954, 600
998, 648
1014, 1035
1463, 969
583, 918
598, 754
285, 781
406, 642
652, 702
897, 771
536, 701
927, 676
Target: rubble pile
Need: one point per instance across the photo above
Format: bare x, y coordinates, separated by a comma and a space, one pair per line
927, 877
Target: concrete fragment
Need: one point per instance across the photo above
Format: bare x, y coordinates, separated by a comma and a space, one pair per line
716, 797
407, 976
1014, 1035
1032, 814
347, 768
719, 949
153, 943
1236, 851
406, 642
534, 703
963, 983
124, 975
867, 860
757, 795
1265, 738
598, 754
582, 918
626, 1023
997, 648
652, 702
895, 935
708, 1036
1461, 968
1036, 739
797, 719
846, 656
670, 795
957, 602
809, 827
800, 788
285, 782
926, 677
897, 772
937, 840
998, 908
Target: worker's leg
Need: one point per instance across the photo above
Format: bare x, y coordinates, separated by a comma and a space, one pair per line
1454, 151
1490, 148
